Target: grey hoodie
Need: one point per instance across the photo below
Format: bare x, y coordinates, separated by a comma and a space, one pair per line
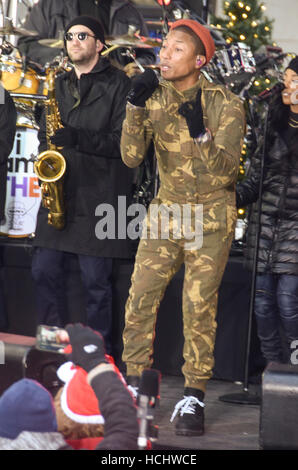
28, 440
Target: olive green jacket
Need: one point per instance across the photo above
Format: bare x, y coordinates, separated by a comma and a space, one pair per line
189, 172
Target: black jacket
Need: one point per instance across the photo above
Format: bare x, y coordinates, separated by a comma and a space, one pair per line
95, 173
8, 118
278, 246
50, 17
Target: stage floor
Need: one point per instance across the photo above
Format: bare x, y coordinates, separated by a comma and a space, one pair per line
228, 426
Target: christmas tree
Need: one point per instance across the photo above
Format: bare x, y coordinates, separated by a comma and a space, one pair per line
245, 22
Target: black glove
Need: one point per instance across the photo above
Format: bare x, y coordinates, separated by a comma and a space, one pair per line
143, 85
193, 113
88, 350
65, 137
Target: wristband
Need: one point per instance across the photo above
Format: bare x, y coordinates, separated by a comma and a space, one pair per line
100, 369
202, 138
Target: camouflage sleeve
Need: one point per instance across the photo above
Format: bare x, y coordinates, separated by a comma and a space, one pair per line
136, 136
221, 155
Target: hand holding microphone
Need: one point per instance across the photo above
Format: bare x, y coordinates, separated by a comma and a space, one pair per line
143, 86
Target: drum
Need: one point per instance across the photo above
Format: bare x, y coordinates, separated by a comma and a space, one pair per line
232, 63
23, 194
16, 78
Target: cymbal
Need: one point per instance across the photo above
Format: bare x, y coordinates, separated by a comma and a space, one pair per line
9, 29
158, 23
161, 24
127, 41
153, 42
121, 41
55, 43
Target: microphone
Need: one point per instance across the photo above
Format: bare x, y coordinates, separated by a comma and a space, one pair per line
268, 94
142, 85
147, 399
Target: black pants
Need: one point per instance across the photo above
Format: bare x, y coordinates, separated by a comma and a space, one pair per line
49, 275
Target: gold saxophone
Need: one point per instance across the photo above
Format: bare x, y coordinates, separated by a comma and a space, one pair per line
50, 165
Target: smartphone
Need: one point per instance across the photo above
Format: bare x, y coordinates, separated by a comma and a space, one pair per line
48, 339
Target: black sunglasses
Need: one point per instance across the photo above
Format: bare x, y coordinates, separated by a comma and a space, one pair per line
81, 36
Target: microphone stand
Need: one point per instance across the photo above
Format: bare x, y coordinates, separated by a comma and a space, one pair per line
165, 28
148, 395
2, 20
205, 10
246, 398
29, 8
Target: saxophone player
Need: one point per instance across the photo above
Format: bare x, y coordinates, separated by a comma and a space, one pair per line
91, 102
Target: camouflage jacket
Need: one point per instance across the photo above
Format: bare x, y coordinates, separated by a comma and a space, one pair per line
189, 172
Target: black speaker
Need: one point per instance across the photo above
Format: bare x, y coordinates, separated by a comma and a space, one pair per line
19, 359
279, 408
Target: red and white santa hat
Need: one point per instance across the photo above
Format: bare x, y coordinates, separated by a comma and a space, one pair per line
78, 400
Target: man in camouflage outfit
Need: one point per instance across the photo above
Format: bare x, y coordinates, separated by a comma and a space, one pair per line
197, 128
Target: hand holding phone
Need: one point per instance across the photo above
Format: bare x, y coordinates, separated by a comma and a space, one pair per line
51, 339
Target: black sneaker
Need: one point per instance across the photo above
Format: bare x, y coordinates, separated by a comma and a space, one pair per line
133, 383
191, 416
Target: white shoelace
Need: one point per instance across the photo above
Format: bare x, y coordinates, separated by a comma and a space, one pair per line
186, 405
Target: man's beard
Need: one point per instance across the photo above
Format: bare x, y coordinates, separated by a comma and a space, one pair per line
84, 59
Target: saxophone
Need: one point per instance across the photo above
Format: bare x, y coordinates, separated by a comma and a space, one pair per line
50, 165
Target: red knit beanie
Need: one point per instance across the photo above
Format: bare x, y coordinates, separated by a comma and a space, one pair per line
202, 32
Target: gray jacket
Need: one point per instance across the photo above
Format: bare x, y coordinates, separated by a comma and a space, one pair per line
28, 440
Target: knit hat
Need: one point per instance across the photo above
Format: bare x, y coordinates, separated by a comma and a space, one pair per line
293, 65
90, 23
26, 406
202, 32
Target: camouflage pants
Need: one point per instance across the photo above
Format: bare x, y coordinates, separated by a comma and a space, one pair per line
156, 263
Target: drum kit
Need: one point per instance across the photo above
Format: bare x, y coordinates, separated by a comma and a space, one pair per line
27, 83
23, 83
